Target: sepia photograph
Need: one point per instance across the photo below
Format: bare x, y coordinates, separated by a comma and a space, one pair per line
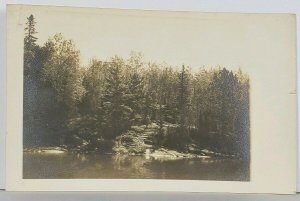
93, 111
103, 99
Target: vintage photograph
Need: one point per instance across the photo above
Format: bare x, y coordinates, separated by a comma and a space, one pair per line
121, 96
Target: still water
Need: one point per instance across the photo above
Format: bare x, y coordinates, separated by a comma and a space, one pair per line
70, 165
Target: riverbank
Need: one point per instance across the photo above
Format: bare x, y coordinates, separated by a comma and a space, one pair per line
150, 140
160, 153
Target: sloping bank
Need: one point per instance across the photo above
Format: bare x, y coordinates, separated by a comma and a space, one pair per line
141, 140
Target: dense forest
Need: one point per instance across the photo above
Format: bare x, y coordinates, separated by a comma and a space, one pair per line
127, 105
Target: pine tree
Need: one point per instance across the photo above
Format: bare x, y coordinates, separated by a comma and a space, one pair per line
183, 99
117, 111
30, 39
183, 104
30, 48
30, 98
136, 97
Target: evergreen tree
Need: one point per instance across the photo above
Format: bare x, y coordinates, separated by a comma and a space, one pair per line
136, 96
183, 99
183, 103
30, 39
34, 59
94, 82
151, 83
117, 110
30, 47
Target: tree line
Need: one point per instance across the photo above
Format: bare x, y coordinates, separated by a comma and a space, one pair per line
67, 104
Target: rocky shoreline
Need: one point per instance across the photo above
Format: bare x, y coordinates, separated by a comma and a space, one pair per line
160, 153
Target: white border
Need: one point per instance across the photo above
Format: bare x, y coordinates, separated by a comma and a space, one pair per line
264, 6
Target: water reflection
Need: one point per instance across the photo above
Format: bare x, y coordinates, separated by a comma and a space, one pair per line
68, 165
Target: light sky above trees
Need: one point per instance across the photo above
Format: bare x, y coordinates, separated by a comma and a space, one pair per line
192, 39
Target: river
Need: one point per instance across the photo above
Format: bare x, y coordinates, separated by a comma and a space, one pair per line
104, 166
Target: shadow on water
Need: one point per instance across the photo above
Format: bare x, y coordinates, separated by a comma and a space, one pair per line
70, 165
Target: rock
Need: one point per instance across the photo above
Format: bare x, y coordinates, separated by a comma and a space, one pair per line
138, 128
47, 150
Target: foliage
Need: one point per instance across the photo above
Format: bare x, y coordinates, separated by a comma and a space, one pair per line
86, 107
62, 71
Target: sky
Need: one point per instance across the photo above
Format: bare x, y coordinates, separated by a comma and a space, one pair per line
191, 38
